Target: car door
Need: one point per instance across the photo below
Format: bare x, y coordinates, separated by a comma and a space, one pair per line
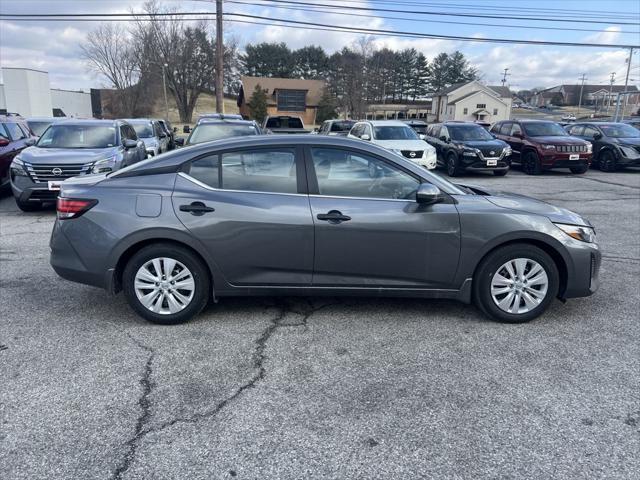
433, 139
592, 134
250, 210
514, 141
13, 141
369, 230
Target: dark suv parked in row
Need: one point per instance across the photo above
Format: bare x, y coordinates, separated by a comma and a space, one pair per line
542, 145
615, 145
464, 146
15, 136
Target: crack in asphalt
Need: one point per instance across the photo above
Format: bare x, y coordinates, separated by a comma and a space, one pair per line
258, 360
605, 182
145, 411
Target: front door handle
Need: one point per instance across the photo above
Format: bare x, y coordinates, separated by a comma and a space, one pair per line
196, 208
333, 216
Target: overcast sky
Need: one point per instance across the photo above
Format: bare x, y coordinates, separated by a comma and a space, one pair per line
54, 46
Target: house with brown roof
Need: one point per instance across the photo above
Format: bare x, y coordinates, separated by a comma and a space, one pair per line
285, 96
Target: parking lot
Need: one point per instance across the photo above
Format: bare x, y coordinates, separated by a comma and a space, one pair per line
326, 388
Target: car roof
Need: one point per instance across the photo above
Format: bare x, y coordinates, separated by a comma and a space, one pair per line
46, 119
530, 120
11, 118
457, 123
231, 121
390, 123
138, 121
80, 121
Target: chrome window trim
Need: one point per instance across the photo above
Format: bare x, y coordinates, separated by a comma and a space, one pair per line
222, 190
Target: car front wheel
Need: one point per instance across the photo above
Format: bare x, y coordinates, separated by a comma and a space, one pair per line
453, 169
166, 284
531, 164
516, 283
607, 161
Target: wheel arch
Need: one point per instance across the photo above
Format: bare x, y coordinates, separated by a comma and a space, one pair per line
130, 246
555, 254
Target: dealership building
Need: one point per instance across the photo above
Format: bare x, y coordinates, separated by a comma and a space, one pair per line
27, 92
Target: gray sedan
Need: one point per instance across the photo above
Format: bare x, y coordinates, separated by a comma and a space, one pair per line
313, 215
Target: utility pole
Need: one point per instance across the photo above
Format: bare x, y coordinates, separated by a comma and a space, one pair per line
611, 82
584, 77
164, 87
504, 76
219, 59
626, 81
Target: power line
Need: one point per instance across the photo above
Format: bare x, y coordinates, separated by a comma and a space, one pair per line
385, 17
342, 28
449, 14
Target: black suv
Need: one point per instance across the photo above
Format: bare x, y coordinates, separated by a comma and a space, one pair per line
615, 145
15, 136
464, 146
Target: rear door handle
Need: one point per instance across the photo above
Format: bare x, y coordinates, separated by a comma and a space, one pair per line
333, 216
196, 208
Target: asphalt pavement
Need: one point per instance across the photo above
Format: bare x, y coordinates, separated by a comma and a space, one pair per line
291, 388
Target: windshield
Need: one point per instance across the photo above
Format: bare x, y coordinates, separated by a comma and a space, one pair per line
394, 133
620, 131
468, 133
78, 136
144, 130
544, 129
215, 131
38, 128
344, 126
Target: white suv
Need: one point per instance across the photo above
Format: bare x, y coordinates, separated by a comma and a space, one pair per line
397, 137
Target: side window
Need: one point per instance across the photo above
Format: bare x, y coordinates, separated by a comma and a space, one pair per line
3, 132
264, 170
435, 131
355, 131
515, 129
345, 173
576, 130
207, 170
131, 133
496, 128
367, 130
505, 128
14, 131
123, 133
25, 129
444, 132
589, 132
157, 129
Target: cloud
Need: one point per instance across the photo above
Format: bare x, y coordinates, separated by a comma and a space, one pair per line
608, 35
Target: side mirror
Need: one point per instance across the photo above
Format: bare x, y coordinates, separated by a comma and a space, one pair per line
162, 135
422, 136
128, 143
597, 136
428, 194
29, 142
444, 138
186, 129
365, 136
180, 141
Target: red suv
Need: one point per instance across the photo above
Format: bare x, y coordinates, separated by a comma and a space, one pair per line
542, 145
15, 136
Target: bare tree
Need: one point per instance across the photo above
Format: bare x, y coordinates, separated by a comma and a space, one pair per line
109, 53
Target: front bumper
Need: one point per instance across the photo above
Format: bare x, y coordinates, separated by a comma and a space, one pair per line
477, 164
583, 270
562, 160
429, 160
26, 191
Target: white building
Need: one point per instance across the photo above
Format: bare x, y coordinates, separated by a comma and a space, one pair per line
472, 101
28, 93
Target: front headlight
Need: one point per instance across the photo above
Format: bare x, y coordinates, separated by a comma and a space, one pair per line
105, 166
17, 167
582, 233
548, 147
470, 152
507, 151
629, 152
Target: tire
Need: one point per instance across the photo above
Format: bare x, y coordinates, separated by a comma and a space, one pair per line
500, 173
531, 163
166, 304
452, 165
607, 161
579, 170
492, 271
28, 207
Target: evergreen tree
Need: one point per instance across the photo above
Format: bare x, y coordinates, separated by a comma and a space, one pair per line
327, 107
268, 60
258, 104
310, 63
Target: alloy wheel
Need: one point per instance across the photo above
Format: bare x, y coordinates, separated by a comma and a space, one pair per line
519, 286
164, 285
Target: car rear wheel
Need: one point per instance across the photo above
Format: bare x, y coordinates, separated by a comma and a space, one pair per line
516, 283
453, 169
607, 161
531, 164
166, 284
579, 170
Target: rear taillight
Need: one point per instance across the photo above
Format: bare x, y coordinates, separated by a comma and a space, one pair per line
73, 207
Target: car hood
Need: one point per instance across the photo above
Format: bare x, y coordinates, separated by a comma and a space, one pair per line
483, 144
514, 201
560, 140
404, 145
58, 156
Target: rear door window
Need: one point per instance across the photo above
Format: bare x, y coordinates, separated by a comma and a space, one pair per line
3, 132
15, 132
